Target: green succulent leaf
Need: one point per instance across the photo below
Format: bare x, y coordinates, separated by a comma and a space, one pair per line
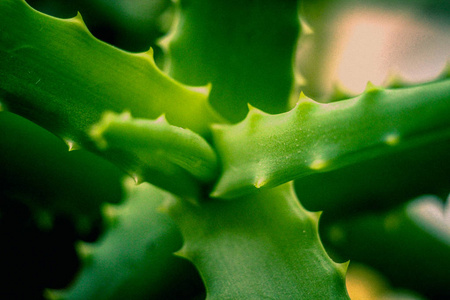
267, 150
55, 73
245, 49
71, 184
134, 259
264, 246
171, 157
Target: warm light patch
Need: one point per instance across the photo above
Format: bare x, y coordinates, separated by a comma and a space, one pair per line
373, 43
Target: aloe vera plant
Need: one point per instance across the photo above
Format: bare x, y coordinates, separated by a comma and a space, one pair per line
227, 173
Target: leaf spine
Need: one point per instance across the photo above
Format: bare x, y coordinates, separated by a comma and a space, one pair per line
306, 28
71, 144
162, 120
79, 22
85, 251
371, 88
343, 267
183, 253
147, 56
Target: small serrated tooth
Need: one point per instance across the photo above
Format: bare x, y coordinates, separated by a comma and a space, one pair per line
183, 252
78, 20
343, 267
111, 214
370, 93
371, 88
306, 28
71, 144
138, 179
161, 119
304, 106
255, 111
85, 251
304, 102
315, 215
147, 56
253, 116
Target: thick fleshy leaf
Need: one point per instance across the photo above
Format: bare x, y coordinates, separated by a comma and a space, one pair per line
171, 157
267, 150
245, 49
36, 166
263, 246
134, 259
55, 73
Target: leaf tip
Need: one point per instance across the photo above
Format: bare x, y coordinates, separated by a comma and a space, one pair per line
78, 21
183, 253
371, 88
343, 267
148, 56
305, 104
111, 214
